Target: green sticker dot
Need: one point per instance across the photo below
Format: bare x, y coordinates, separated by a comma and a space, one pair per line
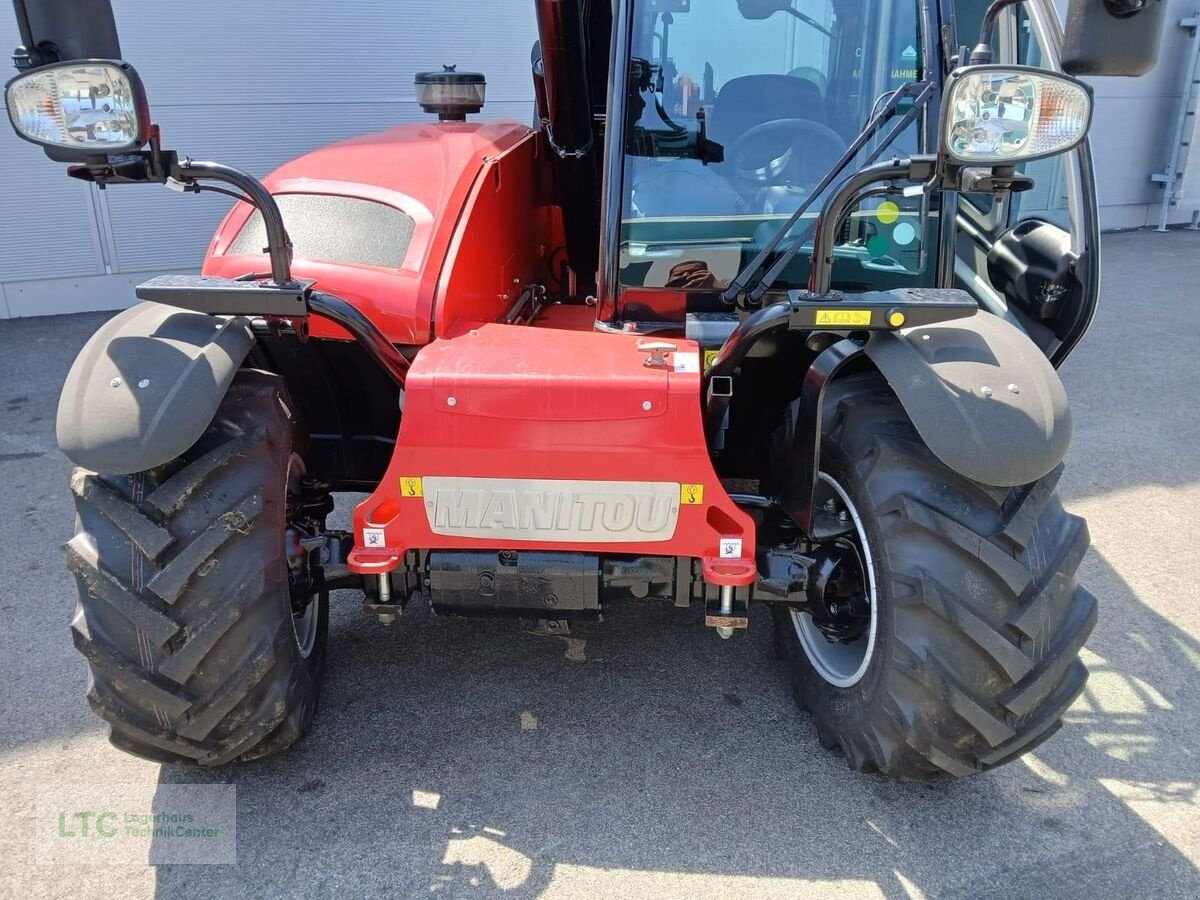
878, 246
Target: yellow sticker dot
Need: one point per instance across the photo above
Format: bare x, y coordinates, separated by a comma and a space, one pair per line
896, 319
888, 212
691, 494
710, 357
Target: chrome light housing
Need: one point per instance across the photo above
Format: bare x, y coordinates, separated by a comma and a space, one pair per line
1002, 115
86, 106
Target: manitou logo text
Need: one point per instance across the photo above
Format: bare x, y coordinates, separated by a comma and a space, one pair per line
529, 509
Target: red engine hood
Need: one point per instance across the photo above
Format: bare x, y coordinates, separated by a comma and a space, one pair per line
426, 171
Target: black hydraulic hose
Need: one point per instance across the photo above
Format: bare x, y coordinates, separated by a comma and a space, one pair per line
372, 339
732, 352
279, 246
754, 501
209, 189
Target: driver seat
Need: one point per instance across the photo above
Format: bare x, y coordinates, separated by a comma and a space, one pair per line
742, 103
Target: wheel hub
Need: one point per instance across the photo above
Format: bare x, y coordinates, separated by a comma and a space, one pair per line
308, 503
836, 591
836, 628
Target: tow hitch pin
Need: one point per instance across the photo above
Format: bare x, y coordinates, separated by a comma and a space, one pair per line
385, 596
726, 631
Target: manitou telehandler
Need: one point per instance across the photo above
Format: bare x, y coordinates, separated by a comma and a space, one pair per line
766, 307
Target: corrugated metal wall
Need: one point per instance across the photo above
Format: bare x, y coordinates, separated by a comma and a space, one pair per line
248, 84
1134, 128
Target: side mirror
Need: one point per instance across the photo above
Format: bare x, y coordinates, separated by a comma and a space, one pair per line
1033, 266
81, 108
1004, 115
1112, 37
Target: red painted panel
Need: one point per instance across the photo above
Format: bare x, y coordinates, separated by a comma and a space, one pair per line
515, 402
505, 240
426, 170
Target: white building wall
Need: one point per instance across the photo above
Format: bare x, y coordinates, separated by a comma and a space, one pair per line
1134, 128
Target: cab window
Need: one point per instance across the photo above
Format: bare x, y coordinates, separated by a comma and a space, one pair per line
733, 117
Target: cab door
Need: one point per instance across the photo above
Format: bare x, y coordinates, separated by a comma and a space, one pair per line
1033, 256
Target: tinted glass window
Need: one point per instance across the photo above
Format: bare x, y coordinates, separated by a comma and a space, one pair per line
735, 114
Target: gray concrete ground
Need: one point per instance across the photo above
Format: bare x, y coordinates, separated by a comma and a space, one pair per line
644, 757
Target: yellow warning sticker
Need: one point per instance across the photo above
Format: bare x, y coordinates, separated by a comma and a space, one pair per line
843, 317
410, 486
710, 357
691, 494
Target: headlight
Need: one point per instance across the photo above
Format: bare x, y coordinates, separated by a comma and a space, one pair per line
999, 114
90, 106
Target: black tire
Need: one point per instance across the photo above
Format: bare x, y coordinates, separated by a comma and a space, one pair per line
980, 615
185, 615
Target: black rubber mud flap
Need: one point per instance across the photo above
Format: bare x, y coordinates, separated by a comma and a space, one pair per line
982, 396
146, 385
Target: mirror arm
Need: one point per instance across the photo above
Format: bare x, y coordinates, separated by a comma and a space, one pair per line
985, 179
279, 246
982, 54
158, 166
916, 168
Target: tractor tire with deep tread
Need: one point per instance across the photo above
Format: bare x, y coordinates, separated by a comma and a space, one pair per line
185, 614
980, 615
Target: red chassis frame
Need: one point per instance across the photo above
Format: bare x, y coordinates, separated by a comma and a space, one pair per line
557, 403
514, 402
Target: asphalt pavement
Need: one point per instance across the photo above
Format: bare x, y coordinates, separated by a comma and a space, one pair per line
643, 757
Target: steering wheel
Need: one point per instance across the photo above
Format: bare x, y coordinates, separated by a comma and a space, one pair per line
791, 152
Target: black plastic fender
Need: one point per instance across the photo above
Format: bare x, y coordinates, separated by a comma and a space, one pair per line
146, 385
982, 396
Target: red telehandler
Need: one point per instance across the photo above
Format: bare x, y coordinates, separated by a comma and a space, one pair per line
755, 313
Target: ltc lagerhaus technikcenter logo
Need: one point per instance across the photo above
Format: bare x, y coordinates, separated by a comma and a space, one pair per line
138, 824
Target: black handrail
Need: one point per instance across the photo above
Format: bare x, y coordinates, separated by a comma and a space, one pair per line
279, 246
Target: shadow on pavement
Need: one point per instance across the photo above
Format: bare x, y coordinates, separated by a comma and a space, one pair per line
455, 757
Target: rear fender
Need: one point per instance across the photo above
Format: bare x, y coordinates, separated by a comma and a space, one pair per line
982, 396
146, 386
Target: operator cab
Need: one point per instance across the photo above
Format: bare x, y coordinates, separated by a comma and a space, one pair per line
734, 113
